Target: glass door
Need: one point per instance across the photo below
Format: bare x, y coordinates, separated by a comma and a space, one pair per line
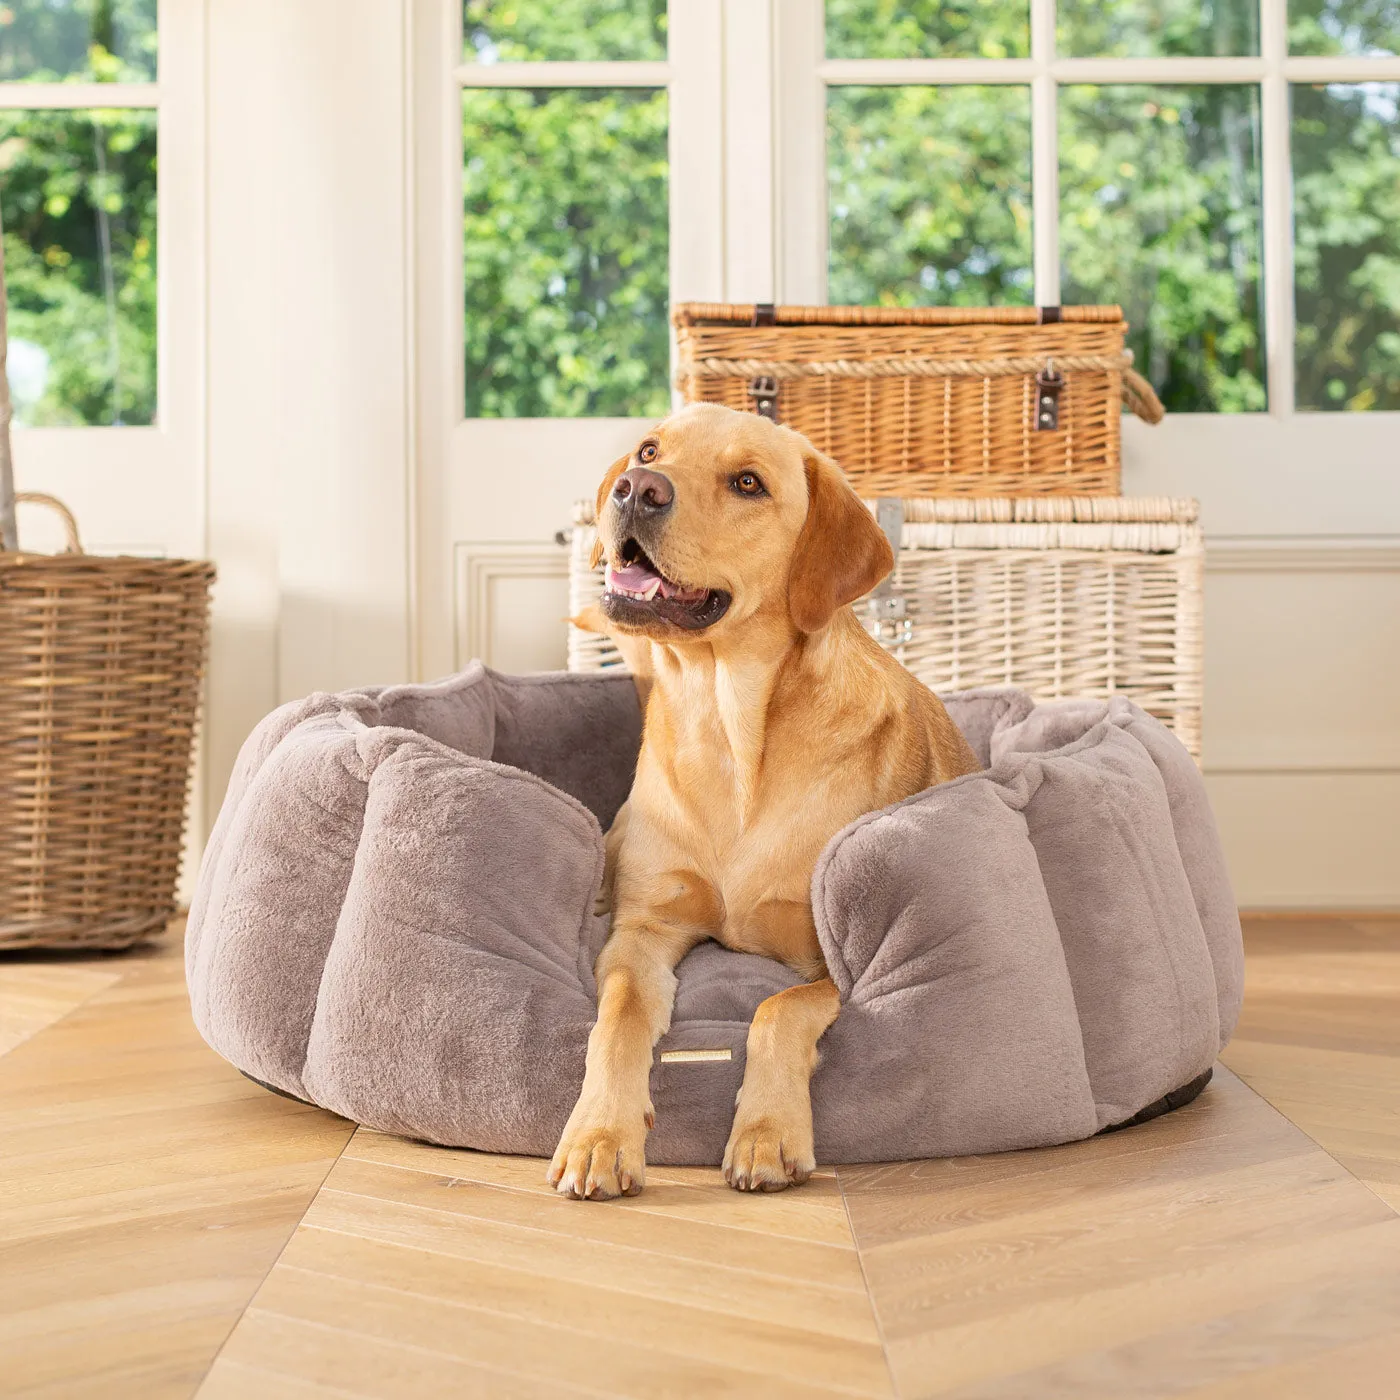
553, 238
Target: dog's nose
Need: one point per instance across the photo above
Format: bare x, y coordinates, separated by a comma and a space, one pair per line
647, 492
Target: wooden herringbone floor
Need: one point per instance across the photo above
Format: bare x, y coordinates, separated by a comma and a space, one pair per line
167, 1229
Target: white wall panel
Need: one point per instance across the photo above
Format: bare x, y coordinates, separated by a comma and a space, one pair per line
1311, 840
1302, 658
308, 393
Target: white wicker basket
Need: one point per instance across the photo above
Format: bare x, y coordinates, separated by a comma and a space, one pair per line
1062, 596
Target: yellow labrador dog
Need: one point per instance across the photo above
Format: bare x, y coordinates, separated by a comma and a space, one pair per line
773, 720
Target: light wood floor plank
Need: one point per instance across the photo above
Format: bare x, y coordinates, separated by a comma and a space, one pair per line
1359, 1371
1320, 1037
568, 1350
643, 1224
583, 1260
816, 1213
145, 1190
1249, 1347
233, 1380
679, 1292
1008, 1287
35, 994
613, 1314
327, 1356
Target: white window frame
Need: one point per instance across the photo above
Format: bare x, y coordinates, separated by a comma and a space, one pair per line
806, 74
696, 203
141, 488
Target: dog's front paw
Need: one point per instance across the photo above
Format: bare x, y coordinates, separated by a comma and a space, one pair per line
768, 1152
597, 1161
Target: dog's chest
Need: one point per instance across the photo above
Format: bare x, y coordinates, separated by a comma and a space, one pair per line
752, 842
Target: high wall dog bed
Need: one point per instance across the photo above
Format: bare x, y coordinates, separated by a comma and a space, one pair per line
395, 920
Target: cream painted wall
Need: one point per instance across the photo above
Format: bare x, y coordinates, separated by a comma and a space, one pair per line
308, 423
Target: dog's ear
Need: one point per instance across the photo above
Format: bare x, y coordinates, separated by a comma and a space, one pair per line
604, 490
590, 619
841, 553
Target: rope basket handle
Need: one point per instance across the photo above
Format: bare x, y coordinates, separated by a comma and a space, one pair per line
72, 545
1141, 397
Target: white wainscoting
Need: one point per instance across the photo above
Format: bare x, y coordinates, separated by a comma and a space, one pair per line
1302, 717
511, 605
1310, 840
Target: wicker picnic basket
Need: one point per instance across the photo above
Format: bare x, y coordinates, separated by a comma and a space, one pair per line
1086, 596
101, 670
929, 401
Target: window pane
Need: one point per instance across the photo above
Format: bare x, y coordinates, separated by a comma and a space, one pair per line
1157, 28
1360, 27
1346, 216
107, 40
518, 31
930, 195
928, 28
1159, 210
565, 253
78, 196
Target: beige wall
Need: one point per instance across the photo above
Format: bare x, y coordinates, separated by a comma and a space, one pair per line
308, 362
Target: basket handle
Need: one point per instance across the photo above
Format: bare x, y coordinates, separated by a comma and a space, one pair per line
73, 544
1141, 397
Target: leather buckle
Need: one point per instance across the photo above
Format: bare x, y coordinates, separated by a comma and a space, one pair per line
1050, 384
763, 390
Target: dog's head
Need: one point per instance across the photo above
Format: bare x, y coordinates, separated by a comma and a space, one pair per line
717, 516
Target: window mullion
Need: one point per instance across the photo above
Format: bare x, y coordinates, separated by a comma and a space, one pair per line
1045, 158
696, 152
930, 72
1276, 170
801, 214
749, 151
57, 97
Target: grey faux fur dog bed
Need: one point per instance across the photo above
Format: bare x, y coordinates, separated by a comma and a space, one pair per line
394, 919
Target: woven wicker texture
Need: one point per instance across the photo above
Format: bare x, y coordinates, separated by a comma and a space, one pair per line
1071, 597
101, 669
933, 400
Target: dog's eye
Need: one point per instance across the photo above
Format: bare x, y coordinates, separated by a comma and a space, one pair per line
747, 484
647, 452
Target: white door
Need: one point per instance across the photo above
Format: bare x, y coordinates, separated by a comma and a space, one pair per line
568, 179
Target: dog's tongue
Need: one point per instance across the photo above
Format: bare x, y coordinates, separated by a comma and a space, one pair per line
635, 578
639, 578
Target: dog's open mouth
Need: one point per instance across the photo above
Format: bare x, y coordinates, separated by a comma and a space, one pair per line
638, 591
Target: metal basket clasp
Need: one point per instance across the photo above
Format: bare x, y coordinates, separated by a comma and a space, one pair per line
885, 612
763, 390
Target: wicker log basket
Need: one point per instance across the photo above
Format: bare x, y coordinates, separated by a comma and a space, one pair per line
943, 401
101, 671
